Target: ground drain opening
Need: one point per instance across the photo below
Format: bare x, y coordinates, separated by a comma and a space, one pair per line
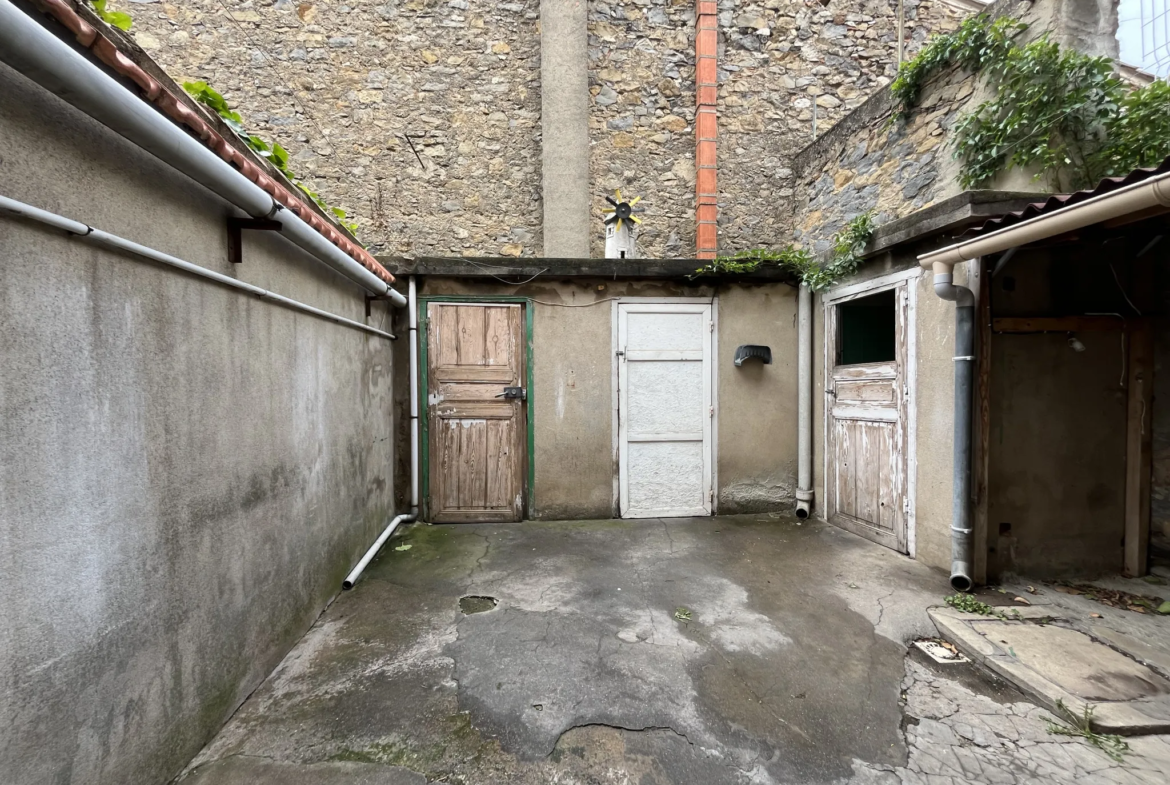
476, 604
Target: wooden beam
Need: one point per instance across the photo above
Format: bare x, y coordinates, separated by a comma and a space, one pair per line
1056, 324
1138, 446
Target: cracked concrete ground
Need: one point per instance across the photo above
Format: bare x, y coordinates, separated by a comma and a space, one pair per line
790, 668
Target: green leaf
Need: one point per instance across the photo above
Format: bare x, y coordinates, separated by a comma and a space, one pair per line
1164, 608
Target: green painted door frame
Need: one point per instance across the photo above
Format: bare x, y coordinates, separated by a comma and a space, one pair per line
424, 376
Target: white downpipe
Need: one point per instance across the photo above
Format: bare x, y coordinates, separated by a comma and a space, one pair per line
88, 234
804, 373
50, 62
412, 311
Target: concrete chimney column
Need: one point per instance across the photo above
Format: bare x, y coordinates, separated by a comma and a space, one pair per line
564, 123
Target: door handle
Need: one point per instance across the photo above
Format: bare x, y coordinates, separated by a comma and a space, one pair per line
514, 393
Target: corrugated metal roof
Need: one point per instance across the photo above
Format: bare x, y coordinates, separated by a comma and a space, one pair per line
1057, 201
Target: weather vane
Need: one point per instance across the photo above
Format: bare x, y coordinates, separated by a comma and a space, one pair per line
620, 226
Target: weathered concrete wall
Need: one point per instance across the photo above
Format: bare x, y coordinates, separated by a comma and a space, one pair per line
757, 403
573, 396
186, 473
1056, 478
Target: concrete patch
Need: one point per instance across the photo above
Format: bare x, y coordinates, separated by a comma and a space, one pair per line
1052, 663
255, 771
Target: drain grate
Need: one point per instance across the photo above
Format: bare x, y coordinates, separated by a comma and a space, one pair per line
477, 604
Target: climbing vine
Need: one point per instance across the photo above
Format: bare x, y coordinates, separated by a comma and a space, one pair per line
976, 43
274, 152
848, 246
1062, 113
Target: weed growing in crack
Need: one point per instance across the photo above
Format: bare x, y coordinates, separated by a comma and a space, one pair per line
968, 604
1082, 725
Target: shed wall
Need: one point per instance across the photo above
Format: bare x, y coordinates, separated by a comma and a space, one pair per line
574, 390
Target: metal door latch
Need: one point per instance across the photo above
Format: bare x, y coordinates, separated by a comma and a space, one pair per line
518, 393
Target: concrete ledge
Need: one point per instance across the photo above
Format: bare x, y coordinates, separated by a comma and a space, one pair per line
518, 270
1137, 716
950, 216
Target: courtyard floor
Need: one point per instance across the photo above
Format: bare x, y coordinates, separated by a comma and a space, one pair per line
746, 649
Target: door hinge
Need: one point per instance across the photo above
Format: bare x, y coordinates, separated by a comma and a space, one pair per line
711, 496
711, 411
711, 326
906, 505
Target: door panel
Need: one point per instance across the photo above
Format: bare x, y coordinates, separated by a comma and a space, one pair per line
664, 409
476, 438
866, 452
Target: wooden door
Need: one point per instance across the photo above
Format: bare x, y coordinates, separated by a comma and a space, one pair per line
665, 409
866, 482
477, 437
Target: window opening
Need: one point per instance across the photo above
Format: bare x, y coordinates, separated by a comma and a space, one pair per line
868, 329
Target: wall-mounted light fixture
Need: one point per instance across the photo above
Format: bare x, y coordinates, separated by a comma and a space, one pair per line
752, 352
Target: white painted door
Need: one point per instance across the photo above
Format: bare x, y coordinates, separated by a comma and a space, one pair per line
866, 486
665, 409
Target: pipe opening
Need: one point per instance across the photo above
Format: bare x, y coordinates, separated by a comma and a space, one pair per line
960, 582
802, 512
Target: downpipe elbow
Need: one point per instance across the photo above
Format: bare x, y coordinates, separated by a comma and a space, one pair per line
946, 289
804, 501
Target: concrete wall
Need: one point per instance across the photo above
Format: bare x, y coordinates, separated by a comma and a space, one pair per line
186, 473
1058, 420
573, 396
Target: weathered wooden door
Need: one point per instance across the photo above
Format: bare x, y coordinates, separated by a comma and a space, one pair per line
665, 409
477, 435
866, 482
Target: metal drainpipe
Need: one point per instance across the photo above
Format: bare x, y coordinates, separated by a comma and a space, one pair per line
964, 359
804, 339
412, 313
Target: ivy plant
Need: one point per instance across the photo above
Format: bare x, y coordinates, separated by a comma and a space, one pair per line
1052, 110
976, 43
846, 257
1062, 113
274, 152
118, 19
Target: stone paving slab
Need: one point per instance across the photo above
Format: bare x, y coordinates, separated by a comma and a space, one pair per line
1052, 663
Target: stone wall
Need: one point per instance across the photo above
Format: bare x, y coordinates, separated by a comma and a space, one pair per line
870, 161
343, 84
875, 163
419, 117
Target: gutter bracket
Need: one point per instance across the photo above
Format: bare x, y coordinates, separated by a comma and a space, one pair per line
372, 297
235, 227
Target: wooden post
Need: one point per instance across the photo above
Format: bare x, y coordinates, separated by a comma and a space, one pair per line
1138, 445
